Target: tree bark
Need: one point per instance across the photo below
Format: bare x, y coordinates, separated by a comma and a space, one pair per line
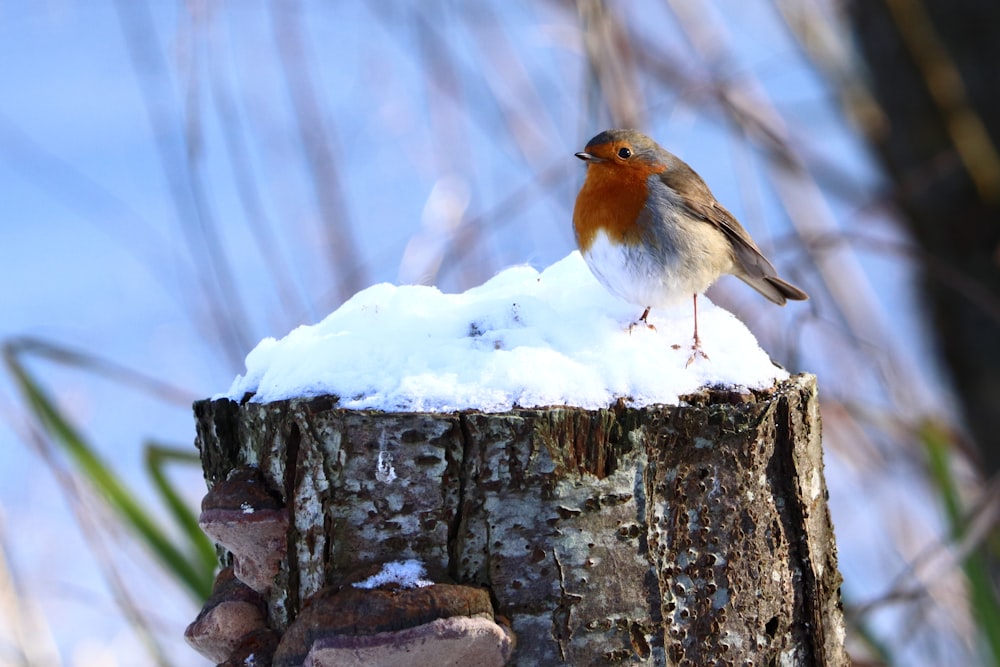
669, 535
932, 70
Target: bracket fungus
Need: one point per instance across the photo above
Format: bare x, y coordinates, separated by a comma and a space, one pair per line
232, 613
256, 650
243, 516
392, 625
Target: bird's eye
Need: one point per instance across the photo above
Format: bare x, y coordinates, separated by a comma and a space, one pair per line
624, 153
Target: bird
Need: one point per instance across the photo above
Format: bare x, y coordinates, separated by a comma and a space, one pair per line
653, 234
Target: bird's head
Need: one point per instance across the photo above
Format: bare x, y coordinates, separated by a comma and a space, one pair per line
624, 151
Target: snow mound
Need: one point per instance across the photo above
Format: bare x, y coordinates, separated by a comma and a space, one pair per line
523, 338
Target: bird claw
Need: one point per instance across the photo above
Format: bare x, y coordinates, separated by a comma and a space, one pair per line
696, 352
639, 324
642, 320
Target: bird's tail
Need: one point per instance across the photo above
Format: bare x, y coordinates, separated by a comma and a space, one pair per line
774, 288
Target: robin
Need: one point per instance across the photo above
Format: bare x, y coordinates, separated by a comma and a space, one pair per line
652, 232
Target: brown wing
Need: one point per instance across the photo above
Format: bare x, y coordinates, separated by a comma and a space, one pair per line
752, 267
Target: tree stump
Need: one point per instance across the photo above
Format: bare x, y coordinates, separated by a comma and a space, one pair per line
695, 534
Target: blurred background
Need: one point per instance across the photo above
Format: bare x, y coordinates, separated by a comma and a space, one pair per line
181, 179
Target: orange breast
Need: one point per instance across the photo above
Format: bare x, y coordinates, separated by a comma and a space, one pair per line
611, 199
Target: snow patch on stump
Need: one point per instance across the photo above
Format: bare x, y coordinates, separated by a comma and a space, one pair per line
522, 339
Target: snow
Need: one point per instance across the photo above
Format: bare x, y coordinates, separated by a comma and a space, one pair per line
523, 338
384, 472
406, 574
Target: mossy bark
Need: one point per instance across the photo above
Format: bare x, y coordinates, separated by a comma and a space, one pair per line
668, 535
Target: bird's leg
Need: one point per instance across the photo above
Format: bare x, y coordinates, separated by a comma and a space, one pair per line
696, 350
642, 318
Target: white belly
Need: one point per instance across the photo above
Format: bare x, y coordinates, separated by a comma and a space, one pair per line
647, 279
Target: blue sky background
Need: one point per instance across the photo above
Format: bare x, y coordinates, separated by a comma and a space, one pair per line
443, 122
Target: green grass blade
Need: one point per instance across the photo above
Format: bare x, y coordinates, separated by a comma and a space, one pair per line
986, 611
157, 457
192, 574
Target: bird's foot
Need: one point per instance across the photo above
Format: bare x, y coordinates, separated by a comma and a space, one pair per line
696, 352
641, 323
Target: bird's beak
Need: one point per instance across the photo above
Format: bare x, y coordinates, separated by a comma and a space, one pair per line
587, 157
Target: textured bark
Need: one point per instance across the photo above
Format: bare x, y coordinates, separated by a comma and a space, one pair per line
694, 535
